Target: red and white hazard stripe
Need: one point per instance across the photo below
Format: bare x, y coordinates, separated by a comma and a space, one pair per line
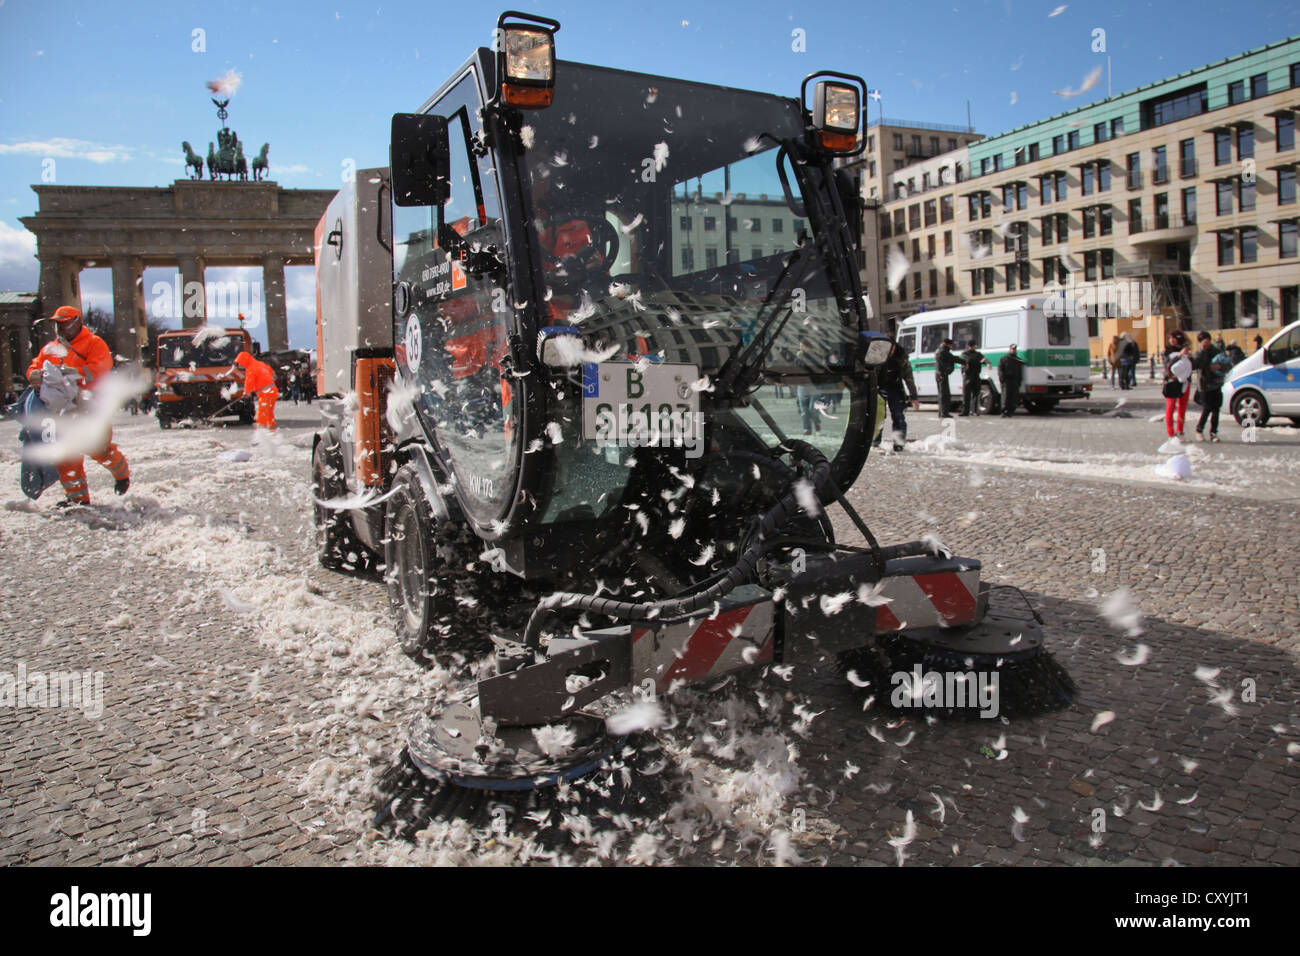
943, 598
734, 639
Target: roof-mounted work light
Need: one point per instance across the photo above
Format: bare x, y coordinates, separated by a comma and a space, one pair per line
836, 112
526, 59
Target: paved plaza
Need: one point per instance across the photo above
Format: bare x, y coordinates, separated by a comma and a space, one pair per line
250, 699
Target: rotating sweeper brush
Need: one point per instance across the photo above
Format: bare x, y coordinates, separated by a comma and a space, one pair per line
545, 375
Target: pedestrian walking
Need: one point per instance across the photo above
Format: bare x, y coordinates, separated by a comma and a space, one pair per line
1111, 369
971, 360
895, 378
1178, 374
1211, 368
1129, 353
944, 363
67, 372
1011, 373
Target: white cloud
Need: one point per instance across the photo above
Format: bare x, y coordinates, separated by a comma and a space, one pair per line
61, 147
18, 269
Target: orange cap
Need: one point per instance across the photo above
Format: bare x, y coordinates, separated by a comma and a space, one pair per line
65, 313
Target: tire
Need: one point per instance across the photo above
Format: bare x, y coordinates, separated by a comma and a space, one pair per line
337, 547
1040, 406
1296, 422
1250, 408
410, 566
989, 401
164, 422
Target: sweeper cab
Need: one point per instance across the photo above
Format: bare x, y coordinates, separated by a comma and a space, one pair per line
597, 368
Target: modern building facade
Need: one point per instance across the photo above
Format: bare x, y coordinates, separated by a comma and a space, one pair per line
1184, 189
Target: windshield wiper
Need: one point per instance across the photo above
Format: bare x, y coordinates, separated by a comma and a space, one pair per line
739, 372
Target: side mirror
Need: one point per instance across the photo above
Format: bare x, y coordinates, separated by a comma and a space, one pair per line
420, 159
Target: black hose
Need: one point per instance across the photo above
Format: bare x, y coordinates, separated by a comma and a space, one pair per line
739, 573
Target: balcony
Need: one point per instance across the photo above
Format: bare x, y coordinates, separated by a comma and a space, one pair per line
1165, 227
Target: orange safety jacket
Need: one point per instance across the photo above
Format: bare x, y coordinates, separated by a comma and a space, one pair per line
87, 353
257, 375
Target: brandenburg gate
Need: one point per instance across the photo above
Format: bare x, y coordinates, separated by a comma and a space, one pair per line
189, 225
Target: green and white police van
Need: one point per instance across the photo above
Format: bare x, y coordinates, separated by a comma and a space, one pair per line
1052, 344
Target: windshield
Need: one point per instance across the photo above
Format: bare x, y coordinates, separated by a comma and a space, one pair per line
665, 231
180, 352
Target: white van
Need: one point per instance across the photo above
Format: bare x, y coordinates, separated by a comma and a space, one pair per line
1053, 347
1266, 384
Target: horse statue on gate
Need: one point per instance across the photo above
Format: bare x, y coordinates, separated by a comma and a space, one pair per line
241, 163
192, 161
261, 164
212, 161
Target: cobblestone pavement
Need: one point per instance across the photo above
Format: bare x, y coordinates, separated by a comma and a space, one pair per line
244, 686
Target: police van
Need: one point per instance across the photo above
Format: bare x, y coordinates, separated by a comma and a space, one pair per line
1267, 383
1052, 344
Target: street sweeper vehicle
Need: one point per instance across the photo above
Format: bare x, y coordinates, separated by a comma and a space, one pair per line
195, 376
571, 344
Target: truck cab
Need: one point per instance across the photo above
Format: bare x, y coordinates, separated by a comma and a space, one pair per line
193, 377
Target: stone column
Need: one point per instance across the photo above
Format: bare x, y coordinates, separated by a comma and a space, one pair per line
191, 270
277, 319
59, 285
139, 310
25, 353
125, 344
6, 359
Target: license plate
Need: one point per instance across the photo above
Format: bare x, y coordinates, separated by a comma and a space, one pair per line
639, 404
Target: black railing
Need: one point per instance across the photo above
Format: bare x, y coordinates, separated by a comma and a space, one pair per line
1134, 179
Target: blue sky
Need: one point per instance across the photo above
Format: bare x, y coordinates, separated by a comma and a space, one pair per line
110, 90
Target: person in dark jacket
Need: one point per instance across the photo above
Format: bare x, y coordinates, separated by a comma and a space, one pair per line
1128, 362
944, 363
1011, 372
1235, 354
1211, 370
895, 376
971, 360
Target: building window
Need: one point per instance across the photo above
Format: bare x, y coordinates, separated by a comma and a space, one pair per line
871, 144
1117, 127
988, 280
688, 259
685, 223
1108, 263
1177, 105
1227, 310
899, 190
1104, 220
1246, 197
976, 282
925, 182
1295, 75
1089, 222
1134, 216
1222, 148
934, 145
1090, 266
1103, 176
952, 144
1134, 167
900, 224
916, 144
1161, 173
1008, 197
1223, 198
1049, 271
1045, 190
1086, 180
1062, 227
898, 141
1285, 132
756, 225
949, 285
1250, 305
1046, 230
899, 164
1022, 196
1236, 92
914, 216
1058, 145
1246, 141
889, 296
1062, 188
929, 245
1072, 139
1033, 152
778, 225
986, 205
947, 242
1189, 205
931, 212
710, 224
1286, 186
934, 282
916, 285
1099, 132
1162, 210
984, 166
1187, 158
945, 208
1249, 241
884, 227
1286, 239
1258, 85
1011, 273
973, 202
1225, 249
710, 258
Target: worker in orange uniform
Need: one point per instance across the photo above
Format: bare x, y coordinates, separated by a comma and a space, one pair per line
259, 380
83, 357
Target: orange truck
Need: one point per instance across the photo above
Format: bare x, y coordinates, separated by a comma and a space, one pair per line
193, 377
